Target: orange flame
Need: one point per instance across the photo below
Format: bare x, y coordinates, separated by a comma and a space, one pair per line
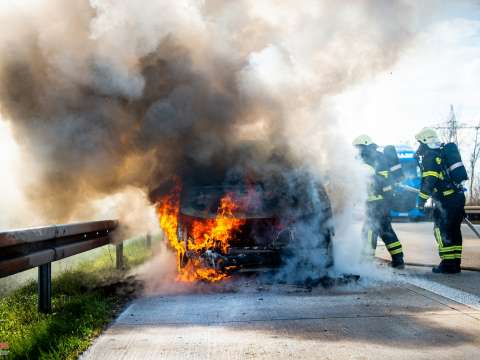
209, 234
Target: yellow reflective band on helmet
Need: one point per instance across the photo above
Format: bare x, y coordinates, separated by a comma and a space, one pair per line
383, 173
394, 244
396, 251
432, 173
448, 192
423, 195
374, 198
387, 188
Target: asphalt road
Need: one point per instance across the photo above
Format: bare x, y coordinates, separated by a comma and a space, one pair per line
420, 246
411, 314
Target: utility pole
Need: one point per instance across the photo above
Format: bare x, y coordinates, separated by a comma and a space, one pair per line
450, 127
450, 133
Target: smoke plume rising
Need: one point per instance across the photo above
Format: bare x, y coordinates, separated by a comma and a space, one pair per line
106, 96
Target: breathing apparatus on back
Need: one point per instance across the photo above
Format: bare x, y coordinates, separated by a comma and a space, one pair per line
451, 159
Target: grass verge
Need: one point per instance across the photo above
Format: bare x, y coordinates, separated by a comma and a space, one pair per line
84, 300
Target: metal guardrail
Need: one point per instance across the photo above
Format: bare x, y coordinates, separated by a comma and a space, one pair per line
472, 212
38, 247
472, 209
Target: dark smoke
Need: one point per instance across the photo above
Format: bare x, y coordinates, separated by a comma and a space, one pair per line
107, 95
91, 138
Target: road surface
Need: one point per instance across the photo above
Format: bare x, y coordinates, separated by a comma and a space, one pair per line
420, 246
412, 315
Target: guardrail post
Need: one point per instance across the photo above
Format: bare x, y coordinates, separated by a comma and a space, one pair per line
119, 255
148, 240
45, 288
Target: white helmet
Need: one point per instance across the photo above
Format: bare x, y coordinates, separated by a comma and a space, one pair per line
363, 140
429, 137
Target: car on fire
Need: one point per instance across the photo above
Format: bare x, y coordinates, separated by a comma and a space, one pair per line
262, 234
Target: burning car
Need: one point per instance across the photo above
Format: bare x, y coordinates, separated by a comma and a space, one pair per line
219, 229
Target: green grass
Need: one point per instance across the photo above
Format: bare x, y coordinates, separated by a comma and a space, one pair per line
84, 300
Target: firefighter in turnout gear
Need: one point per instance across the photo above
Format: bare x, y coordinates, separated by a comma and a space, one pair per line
448, 198
378, 221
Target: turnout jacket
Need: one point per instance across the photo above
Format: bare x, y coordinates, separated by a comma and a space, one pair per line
380, 184
435, 181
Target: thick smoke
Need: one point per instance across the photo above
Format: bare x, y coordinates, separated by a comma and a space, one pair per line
109, 95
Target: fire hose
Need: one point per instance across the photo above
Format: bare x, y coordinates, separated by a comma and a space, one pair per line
465, 220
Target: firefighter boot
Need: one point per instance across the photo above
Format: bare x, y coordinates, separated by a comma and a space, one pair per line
397, 261
458, 263
447, 267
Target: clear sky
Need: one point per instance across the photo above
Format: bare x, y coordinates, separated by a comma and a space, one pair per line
440, 68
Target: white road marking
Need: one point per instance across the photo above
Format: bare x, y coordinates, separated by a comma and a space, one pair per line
456, 295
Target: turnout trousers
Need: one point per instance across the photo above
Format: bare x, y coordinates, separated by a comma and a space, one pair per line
379, 224
448, 215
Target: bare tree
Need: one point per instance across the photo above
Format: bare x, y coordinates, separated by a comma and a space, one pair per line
473, 160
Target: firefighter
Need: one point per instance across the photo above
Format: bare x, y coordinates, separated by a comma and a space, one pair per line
378, 221
448, 198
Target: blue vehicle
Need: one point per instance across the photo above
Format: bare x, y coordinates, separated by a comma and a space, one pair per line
404, 202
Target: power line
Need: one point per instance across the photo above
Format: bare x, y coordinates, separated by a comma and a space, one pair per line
452, 126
